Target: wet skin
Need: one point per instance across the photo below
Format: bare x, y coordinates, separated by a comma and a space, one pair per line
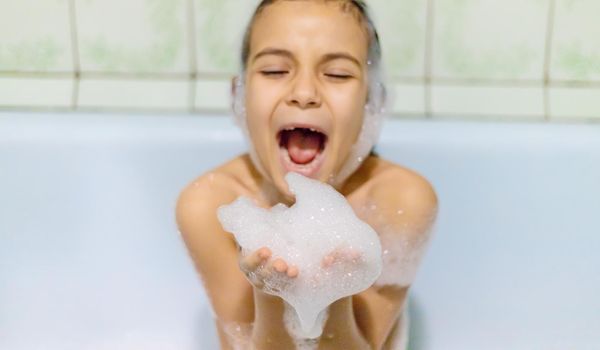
313, 86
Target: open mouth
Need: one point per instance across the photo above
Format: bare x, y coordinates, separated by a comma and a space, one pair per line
302, 149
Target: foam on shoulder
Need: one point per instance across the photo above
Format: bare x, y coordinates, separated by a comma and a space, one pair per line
321, 223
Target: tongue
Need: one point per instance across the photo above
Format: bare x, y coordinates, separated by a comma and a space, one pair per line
303, 146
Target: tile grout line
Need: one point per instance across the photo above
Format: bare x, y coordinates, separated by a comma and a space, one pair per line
428, 58
75, 55
192, 49
548, 57
226, 113
166, 76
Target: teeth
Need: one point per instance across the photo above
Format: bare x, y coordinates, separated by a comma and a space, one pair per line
291, 128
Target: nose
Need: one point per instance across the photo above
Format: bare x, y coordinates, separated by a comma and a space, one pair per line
304, 92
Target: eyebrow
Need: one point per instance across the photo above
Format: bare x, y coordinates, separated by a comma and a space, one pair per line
341, 55
285, 53
273, 51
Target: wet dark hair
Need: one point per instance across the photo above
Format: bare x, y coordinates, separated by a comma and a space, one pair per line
358, 7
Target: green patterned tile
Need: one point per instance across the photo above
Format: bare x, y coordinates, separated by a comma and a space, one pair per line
576, 44
221, 23
401, 26
219, 30
490, 39
35, 35
133, 35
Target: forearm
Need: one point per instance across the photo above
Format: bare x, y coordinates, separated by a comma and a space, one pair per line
377, 310
269, 330
340, 331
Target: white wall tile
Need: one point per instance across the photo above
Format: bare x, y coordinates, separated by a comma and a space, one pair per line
213, 95
482, 101
408, 98
35, 92
134, 94
569, 103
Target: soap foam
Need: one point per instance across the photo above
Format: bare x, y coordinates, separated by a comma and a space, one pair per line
402, 247
401, 258
318, 224
294, 329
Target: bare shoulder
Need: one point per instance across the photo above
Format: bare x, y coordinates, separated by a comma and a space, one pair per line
203, 195
404, 197
213, 250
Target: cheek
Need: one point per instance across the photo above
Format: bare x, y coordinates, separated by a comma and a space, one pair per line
350, 111
260, 102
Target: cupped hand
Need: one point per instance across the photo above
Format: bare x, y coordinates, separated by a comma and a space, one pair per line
260, 267
342, 255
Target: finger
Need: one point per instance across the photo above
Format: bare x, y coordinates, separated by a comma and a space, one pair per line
353, 254
328, 260
252, 261
279, 265
292, 271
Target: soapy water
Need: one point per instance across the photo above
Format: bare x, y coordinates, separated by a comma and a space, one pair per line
320, 225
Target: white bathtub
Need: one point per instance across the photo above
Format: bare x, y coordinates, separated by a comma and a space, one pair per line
90, 257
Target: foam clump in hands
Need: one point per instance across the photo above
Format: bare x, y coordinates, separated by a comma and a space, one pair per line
336, 253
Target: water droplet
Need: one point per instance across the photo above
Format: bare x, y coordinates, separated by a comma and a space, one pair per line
322, 209
400, 212
349, 274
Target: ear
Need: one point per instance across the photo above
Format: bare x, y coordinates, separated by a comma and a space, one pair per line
379, 99
234, 82
234, 91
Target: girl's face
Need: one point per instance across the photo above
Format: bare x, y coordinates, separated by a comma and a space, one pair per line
306, 88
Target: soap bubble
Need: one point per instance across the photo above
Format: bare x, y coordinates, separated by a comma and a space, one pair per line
320, 227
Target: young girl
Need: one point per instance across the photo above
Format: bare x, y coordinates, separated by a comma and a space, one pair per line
309, 100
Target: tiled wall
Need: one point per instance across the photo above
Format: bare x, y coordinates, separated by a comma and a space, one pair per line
481, 59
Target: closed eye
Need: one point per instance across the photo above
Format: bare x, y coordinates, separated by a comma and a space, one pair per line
273, 73
338, 76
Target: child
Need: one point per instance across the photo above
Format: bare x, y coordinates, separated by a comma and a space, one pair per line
309, 100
